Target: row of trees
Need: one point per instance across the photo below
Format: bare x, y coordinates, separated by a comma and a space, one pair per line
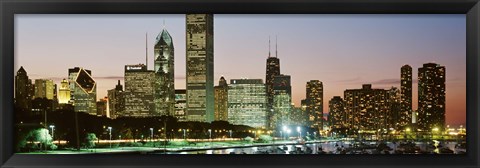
123, 127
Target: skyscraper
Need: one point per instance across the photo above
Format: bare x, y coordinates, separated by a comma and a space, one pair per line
199, 73
366, 108
102, 107
221, 100
431, 96
64, 92
337, 117
83, 90
247, 102
164, 74
282, 101
44, 88
180, 104
23, 92
405, 116
139, 90
272, 70
314, 102
116, 101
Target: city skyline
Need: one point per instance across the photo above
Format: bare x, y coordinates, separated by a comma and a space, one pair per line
351, 77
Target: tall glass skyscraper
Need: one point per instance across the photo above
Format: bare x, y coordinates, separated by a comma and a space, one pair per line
431, 96
405, 116
199, 53
247, 102
164, 74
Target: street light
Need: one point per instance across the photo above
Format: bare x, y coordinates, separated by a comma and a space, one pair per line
285, 130
52, 127
288, 133
230, 133
110, 134
184, 134
151, 134
299, 132
210, 132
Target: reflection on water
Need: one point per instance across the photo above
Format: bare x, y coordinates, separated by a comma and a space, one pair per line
330, 148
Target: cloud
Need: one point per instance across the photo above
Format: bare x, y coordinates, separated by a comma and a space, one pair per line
390, 82
353, 80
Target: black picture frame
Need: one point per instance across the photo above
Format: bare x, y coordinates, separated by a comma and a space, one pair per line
8, 8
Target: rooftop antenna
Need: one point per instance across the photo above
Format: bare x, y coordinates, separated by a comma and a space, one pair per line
268, 46
146, 50
276, 47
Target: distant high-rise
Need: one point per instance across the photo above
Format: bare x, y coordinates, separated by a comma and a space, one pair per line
139, 90
102, 107
394, 114
164, 96
337, 116
298, 116
180, 104
405, 116
431, 96
366, 108
314, 102
282, 101
23, 92
44, 88
199, 73
83, 90
272, 70
64, 92
247, 102
116, 101
221, 100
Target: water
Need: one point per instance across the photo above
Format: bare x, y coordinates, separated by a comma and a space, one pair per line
327, 147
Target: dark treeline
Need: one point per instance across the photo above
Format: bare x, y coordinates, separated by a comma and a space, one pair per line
126, 127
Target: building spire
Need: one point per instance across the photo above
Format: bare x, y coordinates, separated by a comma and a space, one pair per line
269, 47
276, 47
163, 23
146, 50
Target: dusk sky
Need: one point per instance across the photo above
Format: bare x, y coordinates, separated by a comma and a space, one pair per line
342, 51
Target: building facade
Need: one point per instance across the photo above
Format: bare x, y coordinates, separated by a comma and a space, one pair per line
44, 88
314, 102
102, 107
337, 117
180, 104
23, 92
199, 73
164, 74
247, 102
366, 109
431, 96
83, 90
139, 90
272, 70
282, 101
64, 92
405, 116
221, 100
116, 101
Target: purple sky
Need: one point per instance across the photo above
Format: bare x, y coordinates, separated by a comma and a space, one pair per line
342, 51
